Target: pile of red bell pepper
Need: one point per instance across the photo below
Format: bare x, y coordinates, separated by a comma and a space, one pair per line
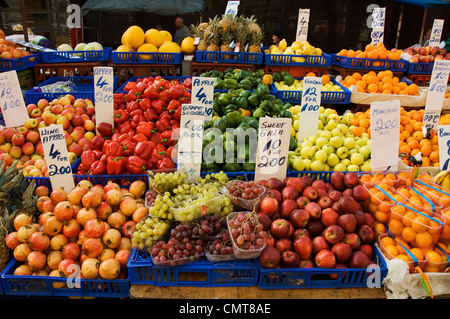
144, 119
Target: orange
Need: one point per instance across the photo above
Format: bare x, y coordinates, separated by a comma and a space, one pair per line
372, 54
382, 217
371, 79
426, 151
343, 52
350, 81
395, 80
372, 88
382, 54
310, 74
418, 126
386, 241
417, 253
414, 151
381, 75
424, 240
418, 135
398, 211
386, 92
409, 128
403, 92
369, 47
351, 53
409, 234
384, 206
403, 257
379, 45
434, 156
412, 144
402, 85
325, 79
412, 89
364, 123
357, 76
395, 227
362, 55
433, 256
396, 89
391, 250
420, 224
361, 83
386, 79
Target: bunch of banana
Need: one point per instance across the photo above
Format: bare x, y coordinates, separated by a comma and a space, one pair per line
443, 179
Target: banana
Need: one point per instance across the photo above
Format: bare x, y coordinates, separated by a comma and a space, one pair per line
440, 177
446, 182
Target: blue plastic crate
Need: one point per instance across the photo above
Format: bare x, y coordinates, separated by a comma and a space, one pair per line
235, 273
135, 78
288, 278
323, 60
20, 63
370, 64
43, 285
147, 57
420, 68
334, 97
229, 57
84, 84
76, 56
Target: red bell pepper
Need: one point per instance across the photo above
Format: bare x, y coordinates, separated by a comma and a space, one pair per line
112, 148
177, 114
169, 151
98, 168
162, 125
128, 147
105, 129
145, 128
139, 137
188, 83
118, 98
114, 165
164, 96
134, 113
174, 124
152, 115
132, 95
173, 106
166, 163
156, 138
159, 106
165, 115
124, 127
132, 105
141, 86
145, 104
157, 155
87, 158
122, 138
166, 138
120, 116
97, 142
161, 147
161, 84
136, 165
129, 86
176, 91
151, 92
143, 150
98, 153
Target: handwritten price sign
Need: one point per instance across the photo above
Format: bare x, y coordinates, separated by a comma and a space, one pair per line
57, 157
273, 147
302, 25
444, 146
378, 15
438, 85
232, 7
11, 100
104, 89
309, 114
436, 32
203, 94
385, 134
190, 141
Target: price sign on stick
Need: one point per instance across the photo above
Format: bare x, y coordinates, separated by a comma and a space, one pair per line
436, 32
203, 94
385, 134
104, 89
379, 15
57, 157
310, 104
443, 132
302, 25
11, 100
438, 85
273, 148
232, 7
190, 140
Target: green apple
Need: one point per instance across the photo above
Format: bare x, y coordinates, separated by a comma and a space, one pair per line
360, 142
329, 111
321, 109
336, 141
307, 142
298, 164
343, 128
349, 134
323, 118
319, 125
326, 167
332, 160
332, 123
365, 151
326, 134
357, 159
346, 161
317, 166
321, 141
328, 149
307, 151
296, 124
351, 152
334, 116
340, 167
298, 150
307, 163
349, 142
321, 155
312, 139
342, 152
353, 168
336, 132
315, 148
366, 167
366, 136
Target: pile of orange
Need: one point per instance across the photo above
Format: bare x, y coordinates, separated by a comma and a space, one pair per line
378, 51
383, 82
444, 119
381, 198
360, 123
406, 178
413, 199
395, 248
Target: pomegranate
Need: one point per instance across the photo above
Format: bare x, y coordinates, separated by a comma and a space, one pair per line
64, 211
109, 269
58, 242
103, 210
71, 251
36, 260
66, 267
128, 228
82, 236
116, 219
128, 206
76, 194
21, 220
92, 247
90, 268
85, 184
11, 240
83, 257
94, 228
85, 214
58, 195
52, 226
39, 241
53, 259
24, 233
71, 228
125, 243
22, 251
111, 185
137, 188
23, 270
57, 273
113, 197
112, 238
41, 201
43, 217
36, 226
91, 199
139, 214
41, 190
122, 256
99, 189
41, 272
106, 254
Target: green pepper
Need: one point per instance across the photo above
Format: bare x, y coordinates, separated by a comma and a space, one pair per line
242, 153
286, 106
208, 124
205, 75
253, 100
233, 119
216, 107
267, 106
263, 91
246, 84
244, 125
253, 123
229, 108
285, 114
220, 124
227, 136
232, 167
230, 84
292, 143
277, 77
241, 75
245, 93
229, 70
288, 80
284, 73
242, 102
257, 74
218, 83
224, 99
259, 112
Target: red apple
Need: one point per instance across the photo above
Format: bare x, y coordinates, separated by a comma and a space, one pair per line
367, 249
366, 233
351, 179
299, 218
287, 206
299, 233
303, 246
302, 201
307, 179
319, 243
307, 263
342, 251
280, 228
360, 193
337, 180
270, 257
335, 195
347, 205
18, 139
290, 259
369, 219
283, 244
264, 220
274, 183
329, 217
325, 259
333, 234
270, 241
314, 210
268, 205
360, 218
359, 260
289, 192
353, 240
297, 183
348, 222
315, 227
275, 194
311, 193
325, 202
319, 184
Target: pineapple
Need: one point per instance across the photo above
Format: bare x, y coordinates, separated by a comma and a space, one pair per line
253, 26
226, 23
242, 36
197, 32
212, 35
226, 38
255, 42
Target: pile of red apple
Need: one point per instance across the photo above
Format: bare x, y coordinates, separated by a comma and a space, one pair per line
87, 229
77, 119
316, 223
427, 54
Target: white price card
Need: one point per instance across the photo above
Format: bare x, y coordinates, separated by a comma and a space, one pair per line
57, 157
273, 148
203, 94
430, 120
436, 32
378, 20
12, 104
385, 134
104, 89
302, 25
190, 140
232, 7
310, 104
443, 132
438, 85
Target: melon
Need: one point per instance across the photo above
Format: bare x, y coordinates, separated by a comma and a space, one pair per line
170, 47
147, 47
187, 45
133, 37
154, 37
166, 35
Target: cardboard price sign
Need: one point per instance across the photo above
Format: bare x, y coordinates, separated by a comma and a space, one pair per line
436, 32
438, 85
57, 157
385, 134
203, 94
104, 89
273, 148
190, 140
12, 104
302, 25
232, 7
443, 132
377, 35
309, 114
